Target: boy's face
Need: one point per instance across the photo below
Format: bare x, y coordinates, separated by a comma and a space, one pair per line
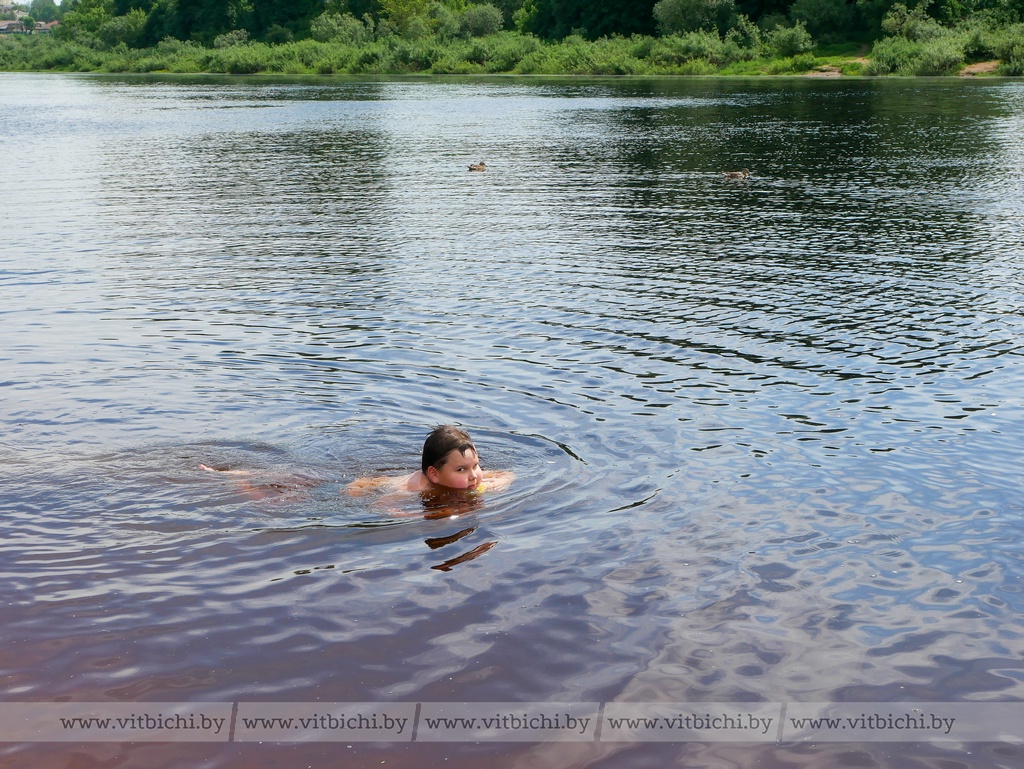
459, 471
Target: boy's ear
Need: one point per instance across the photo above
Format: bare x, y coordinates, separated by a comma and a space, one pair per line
432, 475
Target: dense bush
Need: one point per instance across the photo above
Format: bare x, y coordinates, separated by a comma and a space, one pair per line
913, 25
940, 56
277, 34
901, 56
228, 39
245, 59
1009, 47
697, 46
341, 43
501, 52
127, 29
789, 41
978, 41
893, 56
445, 20
339, 27
804, 62
481, 20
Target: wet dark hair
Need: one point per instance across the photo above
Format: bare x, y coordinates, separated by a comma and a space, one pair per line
440, 442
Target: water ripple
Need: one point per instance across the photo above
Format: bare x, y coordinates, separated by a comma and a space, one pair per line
766, 433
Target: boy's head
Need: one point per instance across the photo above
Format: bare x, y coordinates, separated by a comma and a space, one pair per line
441, 466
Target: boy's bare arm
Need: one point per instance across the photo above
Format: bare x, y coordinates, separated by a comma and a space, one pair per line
498, 480
360, 487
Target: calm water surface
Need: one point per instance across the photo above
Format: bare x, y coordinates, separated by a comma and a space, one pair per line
767, 433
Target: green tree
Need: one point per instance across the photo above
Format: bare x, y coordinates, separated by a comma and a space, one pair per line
202, 20
758, 10
84, 18
162, 22
231, 39
44, 10
402, 12
508, 9
127, 29
677, 17
293, 15
276, 34
789, 41
829, 21
28, 24
481, 20
445, 20
592, 18
913, 24
342, 27
525, 18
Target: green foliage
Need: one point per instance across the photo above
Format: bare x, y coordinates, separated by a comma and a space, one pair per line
592, 19
442, 41
417, 28
525, 17
943, 55
339, 27
826, 20
745, 33
789, 41
792, 65
913, 24
446, 20
1008, 45
44, 10
29, 24
44, 52
127, 29
940, 56
402, 12
772, 21
893, 55
232, 38
676, 50
481, 20
871, 13
83, 23
676, 17
501, 52
241, 59
277, 34
241, 14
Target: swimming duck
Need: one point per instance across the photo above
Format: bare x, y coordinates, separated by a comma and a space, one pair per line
481, 166
741, 174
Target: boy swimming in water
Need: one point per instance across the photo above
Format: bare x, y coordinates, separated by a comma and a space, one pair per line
449, 462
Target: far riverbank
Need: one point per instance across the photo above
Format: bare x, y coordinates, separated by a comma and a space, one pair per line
994, 53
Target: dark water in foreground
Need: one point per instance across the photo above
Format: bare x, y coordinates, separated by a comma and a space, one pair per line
767, 433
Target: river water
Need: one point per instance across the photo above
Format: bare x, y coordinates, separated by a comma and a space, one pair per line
767, 433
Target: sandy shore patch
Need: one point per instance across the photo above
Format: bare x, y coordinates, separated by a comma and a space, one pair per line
981, 68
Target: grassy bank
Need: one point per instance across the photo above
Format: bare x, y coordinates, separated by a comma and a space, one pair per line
696, 53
